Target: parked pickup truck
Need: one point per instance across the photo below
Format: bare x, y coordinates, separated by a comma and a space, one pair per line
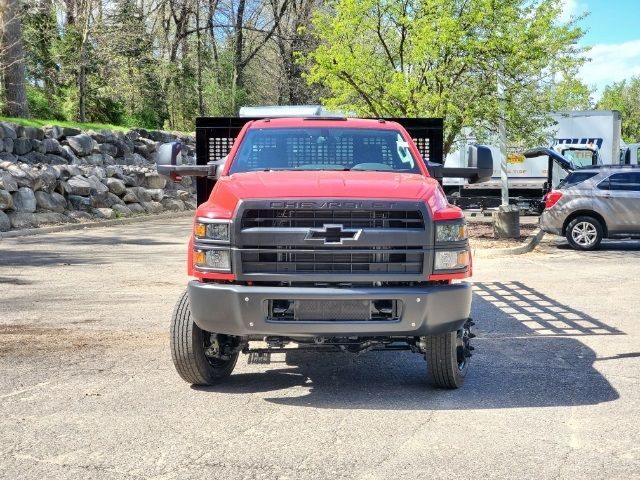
327, 234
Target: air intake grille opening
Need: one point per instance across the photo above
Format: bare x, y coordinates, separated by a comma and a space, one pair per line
379, 260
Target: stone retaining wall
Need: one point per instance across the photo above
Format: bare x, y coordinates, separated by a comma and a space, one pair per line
57, 175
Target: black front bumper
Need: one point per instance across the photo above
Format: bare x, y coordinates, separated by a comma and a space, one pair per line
243, 310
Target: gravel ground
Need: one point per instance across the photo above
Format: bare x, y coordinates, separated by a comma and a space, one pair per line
88, 389
481, 235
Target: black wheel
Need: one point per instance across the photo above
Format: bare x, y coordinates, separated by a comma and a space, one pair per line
584, 233
447, 358
190, 346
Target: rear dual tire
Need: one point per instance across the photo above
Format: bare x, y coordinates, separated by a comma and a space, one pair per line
188, 344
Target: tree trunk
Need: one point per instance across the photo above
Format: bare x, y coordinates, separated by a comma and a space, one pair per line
12, 61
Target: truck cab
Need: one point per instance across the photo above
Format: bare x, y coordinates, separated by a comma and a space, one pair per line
325, 234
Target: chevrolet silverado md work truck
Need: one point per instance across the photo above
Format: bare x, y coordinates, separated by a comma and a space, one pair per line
323, 233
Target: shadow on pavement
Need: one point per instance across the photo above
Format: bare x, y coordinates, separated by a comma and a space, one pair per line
519, 362
605, 246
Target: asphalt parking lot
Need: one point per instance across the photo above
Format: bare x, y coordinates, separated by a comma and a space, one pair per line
88, 389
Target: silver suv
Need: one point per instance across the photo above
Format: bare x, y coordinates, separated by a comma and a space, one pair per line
593, 203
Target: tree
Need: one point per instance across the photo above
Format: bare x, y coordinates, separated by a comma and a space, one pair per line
442, 58
12, 60
625, 97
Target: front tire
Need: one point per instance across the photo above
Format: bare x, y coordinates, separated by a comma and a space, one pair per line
447, 358
584, 233
188, 345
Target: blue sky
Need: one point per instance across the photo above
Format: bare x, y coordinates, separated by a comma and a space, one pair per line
613, 33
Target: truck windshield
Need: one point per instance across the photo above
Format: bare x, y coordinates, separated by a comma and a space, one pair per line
324, 149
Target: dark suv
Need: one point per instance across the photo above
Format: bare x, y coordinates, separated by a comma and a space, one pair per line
593, 203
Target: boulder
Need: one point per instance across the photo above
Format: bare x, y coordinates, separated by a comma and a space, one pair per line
34, 157
48, 179
36, 146
24, 200
104, 213
173, 204
32, 133
96, 185
79, 203
122, 210
57, 132
21, 146
109, 149
22, 178
20, 220
5, 222
55, 159
48, 218
132, 135
152, 207
7, 131
134, 159
105, 200
6, 200
67, 153
94, 159
51, 145
70, 171
81, 144
1, 145
7, 182
154, 180
8, 145
77, 215
190, 204
121, 148
78, 186
8, 157
135, 208
116, 186
130, 181
183, 195
162, 137
136, 194
51, 201
156, 194
114, 171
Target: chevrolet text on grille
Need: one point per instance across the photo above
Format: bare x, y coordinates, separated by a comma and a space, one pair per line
332, 204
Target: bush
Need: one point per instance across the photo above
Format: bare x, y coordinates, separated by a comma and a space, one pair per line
42, 107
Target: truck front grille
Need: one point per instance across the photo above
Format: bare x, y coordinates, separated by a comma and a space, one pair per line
375, 260
348, 218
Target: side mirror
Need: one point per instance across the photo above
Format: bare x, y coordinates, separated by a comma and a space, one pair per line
479, 166
481, 159
169, 155
170, 164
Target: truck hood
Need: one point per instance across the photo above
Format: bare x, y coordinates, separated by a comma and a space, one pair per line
318, 184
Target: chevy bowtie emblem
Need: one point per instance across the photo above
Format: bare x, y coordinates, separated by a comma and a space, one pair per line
332, 234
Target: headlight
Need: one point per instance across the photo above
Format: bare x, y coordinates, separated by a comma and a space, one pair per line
451, 260
451, 232
212, 231
213, 259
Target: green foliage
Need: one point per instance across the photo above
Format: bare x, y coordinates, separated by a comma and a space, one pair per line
625, 97
41, 122
442, 58
40, 106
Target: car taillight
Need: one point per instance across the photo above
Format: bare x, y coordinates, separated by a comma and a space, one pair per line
552, 198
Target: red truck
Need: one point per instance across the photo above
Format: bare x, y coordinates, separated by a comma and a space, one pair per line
329, 234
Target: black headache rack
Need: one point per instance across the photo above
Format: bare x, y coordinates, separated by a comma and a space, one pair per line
215, 137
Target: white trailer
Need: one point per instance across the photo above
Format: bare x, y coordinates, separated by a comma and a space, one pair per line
599, 128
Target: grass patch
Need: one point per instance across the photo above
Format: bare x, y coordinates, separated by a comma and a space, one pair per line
38, 122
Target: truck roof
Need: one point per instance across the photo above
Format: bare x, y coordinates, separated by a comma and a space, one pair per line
326, 122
